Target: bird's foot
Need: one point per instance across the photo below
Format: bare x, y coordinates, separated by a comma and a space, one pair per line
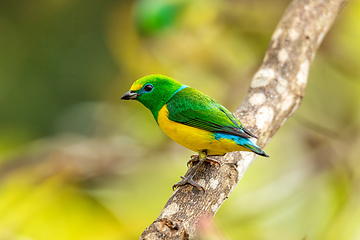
196, 158
232, 164
200, 159
188, 180
213, 161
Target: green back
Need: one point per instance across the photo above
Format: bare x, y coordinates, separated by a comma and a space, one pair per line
193, 108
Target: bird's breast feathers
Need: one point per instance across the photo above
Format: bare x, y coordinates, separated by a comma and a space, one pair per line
194, 138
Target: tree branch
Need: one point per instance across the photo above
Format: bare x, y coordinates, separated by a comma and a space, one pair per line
275, 93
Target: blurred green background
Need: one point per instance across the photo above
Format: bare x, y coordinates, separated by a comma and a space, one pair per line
77, 163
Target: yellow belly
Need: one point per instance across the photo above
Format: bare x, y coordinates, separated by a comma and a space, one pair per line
193, 138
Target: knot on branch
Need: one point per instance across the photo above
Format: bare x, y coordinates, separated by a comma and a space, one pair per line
165, 229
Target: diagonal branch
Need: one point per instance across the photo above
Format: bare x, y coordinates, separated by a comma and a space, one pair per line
275, 93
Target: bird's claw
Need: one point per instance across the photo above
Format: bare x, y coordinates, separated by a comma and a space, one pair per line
232, 164
188, 180
200, 159
213, 161
195, 158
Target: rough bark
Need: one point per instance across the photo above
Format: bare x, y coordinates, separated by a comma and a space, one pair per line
274, 94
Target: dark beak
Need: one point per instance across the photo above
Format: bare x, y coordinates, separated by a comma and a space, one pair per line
130, 95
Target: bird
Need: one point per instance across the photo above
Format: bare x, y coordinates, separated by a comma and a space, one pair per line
193, 120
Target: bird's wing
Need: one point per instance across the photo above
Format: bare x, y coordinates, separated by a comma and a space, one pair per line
195, 109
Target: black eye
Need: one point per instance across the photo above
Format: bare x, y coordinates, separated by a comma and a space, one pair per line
148, 88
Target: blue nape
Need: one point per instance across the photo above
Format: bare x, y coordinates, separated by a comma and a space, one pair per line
181, 88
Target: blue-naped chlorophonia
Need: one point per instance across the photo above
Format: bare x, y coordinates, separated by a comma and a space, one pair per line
192, 119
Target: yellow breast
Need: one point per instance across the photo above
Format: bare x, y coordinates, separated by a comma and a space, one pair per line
193, 138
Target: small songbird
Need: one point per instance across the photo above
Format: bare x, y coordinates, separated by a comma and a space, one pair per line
193, 120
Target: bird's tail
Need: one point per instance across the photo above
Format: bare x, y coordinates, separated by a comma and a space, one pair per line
243, 142
254, 148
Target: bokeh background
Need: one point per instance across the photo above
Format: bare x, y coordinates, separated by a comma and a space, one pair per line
77, 163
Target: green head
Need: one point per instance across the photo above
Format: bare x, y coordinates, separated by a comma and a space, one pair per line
153, 91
